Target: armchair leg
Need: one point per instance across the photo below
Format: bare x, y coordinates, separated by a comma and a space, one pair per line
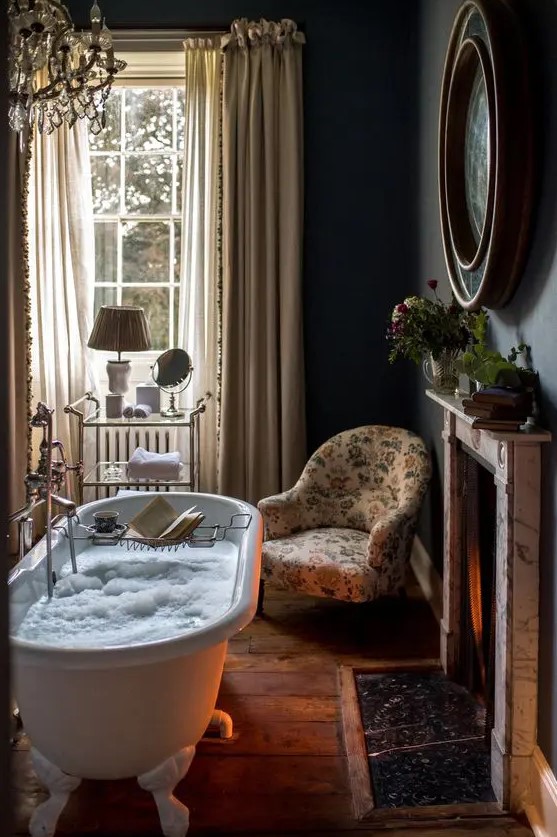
259, 611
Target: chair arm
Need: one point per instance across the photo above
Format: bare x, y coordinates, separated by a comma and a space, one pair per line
391, 536
282, 514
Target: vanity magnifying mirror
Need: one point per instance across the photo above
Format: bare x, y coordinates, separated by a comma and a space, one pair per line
172, 373
485, 154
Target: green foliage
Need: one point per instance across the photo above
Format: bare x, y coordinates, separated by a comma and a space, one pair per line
490, 367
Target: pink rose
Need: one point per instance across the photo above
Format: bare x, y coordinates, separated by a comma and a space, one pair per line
432, 283
402, 308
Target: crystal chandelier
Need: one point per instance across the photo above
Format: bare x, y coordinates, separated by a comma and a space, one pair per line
55, 73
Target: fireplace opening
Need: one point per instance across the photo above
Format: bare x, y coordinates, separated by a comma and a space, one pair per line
476, 652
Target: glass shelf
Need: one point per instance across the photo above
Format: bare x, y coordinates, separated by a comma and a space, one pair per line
99, 419
98, 476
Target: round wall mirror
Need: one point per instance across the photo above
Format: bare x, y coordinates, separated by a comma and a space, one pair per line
485, 154
172, 373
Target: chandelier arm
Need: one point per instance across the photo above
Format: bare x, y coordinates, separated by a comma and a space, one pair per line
77, 68
64, 10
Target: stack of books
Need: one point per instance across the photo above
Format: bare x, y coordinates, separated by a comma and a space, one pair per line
499, 408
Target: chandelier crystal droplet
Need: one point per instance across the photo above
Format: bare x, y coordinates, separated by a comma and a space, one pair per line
56, 74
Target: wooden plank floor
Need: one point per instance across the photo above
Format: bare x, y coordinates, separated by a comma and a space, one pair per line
284, 771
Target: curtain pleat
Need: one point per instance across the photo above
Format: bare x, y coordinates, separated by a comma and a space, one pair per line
199, 316
62, 264
262, 442
19, 337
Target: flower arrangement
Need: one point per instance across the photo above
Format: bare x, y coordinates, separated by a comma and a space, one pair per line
422, 326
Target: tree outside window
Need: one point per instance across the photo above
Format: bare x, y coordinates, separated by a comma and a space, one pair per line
136, 167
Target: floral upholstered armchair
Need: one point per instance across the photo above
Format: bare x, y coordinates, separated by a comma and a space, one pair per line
345, 530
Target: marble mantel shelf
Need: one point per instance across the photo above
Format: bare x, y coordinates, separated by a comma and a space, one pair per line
529, 433
515, 461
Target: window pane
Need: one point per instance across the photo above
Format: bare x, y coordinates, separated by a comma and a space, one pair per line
148, 120
109, 139
154, 302
180, 120
177, 250
177, 340
105, 175
106, 251
148, 184
145, 251
179, 176
105, 296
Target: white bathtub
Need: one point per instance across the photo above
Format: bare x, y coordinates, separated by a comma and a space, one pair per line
120, 711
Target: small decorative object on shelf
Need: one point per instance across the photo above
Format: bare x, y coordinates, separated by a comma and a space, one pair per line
114, 405
149, 393
431, 332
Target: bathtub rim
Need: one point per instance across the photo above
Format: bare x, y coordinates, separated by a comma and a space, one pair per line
220, 629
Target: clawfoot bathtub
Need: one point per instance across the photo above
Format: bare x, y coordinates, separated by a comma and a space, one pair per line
111, 709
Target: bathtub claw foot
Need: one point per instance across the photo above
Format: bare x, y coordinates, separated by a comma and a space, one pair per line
161, 781
223, 721
60, 785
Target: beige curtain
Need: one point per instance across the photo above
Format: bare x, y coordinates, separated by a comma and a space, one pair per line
62, 264
262, 438
198, 321
19, 336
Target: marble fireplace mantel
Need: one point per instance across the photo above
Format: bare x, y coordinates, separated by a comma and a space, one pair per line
515, 461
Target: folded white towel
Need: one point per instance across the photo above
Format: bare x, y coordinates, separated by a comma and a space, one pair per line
146, 465
127, 412
142, 411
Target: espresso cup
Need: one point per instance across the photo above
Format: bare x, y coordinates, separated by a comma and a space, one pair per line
106, 521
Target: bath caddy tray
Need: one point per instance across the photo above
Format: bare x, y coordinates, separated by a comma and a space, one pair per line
203, 536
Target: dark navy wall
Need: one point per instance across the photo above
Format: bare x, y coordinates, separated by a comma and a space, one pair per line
360, 181
531, 315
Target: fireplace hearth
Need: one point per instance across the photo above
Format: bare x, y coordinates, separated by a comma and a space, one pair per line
512, 462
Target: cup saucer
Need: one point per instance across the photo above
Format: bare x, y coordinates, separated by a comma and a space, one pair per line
119, 529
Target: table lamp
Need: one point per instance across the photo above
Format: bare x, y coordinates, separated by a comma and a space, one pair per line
120, 328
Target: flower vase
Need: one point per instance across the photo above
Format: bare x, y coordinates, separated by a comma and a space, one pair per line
441, 372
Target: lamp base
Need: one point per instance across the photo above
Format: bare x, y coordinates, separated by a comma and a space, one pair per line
118, 372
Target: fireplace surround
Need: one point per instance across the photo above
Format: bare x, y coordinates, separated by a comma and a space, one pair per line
515, 461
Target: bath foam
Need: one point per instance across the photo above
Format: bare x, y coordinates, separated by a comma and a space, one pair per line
121, 598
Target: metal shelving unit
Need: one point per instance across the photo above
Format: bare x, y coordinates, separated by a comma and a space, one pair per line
121, 436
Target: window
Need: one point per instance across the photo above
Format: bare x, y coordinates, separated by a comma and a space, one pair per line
136, 167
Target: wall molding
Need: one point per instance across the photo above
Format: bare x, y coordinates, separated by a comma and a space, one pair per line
541, 808
428, 578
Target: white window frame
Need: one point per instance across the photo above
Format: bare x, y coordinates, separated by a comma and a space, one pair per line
151, 62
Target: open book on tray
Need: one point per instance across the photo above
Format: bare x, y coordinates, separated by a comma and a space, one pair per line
161, 521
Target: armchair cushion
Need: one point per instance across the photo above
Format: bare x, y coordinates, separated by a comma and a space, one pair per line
323, 562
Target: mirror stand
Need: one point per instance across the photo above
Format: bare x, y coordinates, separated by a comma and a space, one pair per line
172, 411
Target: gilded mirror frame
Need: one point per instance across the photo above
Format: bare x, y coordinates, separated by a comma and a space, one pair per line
486, 160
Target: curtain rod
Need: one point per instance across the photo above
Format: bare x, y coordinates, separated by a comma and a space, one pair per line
158, 40
167, 34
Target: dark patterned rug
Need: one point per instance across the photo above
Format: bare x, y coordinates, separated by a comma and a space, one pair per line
425, 740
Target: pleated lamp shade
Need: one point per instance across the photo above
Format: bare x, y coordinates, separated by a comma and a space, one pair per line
120, 328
